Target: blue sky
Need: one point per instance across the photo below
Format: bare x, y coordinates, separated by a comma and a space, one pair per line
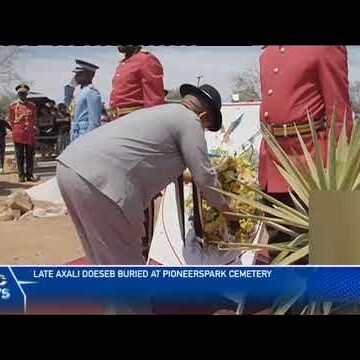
49, 67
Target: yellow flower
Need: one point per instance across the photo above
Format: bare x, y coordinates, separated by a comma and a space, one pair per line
229, 168
247, 225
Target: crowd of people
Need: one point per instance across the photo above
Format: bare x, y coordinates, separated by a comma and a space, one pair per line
118, 169
134, 158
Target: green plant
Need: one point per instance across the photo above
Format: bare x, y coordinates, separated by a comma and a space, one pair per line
342, 172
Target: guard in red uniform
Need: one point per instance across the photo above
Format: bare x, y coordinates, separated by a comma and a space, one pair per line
23, 119
138, 82
295, 79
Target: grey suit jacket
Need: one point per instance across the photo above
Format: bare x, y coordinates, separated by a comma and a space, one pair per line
132, 159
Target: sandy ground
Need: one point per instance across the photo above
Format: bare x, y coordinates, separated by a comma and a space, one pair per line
50, 241
35, 241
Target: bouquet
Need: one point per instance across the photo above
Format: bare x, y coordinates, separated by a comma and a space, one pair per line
233, 172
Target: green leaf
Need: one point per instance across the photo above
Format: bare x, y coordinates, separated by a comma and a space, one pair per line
342, 147
342, 151
277, 302
260, 218
298, 204
331, 152
295, 186
281, 228
339, 174
282, 255
310, 163
355, 138
353, 153
296, 221
299, 254
305, 171
318, 156
275, 223
249, 246
282, 309
303, 312
274, 201
356, 185
312, 308
327, 308
284, 159
351, 171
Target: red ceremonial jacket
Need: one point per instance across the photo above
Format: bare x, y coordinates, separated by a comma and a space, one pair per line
23, 119
138, 81
295, 79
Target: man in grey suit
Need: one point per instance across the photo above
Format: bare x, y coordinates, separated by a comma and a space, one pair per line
109, 176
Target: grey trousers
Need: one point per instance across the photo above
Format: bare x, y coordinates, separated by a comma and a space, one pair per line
108, 238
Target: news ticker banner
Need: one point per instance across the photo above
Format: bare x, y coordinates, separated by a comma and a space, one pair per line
25, 287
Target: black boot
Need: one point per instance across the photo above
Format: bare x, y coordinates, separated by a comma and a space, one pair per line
21, 178
31, 178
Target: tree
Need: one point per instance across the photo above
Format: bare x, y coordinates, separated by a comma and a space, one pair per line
5, 101
355, 96
247, 85
173, 95
8, 76
8, 67
248, 88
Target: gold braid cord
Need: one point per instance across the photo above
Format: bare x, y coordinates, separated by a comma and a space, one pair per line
22, 117
72, 107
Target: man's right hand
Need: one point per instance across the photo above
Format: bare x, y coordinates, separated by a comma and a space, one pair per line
229, 217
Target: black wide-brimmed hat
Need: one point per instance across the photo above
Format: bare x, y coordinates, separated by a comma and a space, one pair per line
211, 96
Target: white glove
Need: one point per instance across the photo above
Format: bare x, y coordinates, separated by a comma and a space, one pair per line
195, 254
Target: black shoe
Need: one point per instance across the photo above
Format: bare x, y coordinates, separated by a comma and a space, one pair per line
21, 178
31, 178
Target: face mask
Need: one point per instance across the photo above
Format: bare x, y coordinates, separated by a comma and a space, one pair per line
23, 96
206, 120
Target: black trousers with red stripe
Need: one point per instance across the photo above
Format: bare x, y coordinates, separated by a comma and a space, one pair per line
25, 156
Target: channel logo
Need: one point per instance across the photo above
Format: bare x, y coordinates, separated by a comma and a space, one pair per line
4, 292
